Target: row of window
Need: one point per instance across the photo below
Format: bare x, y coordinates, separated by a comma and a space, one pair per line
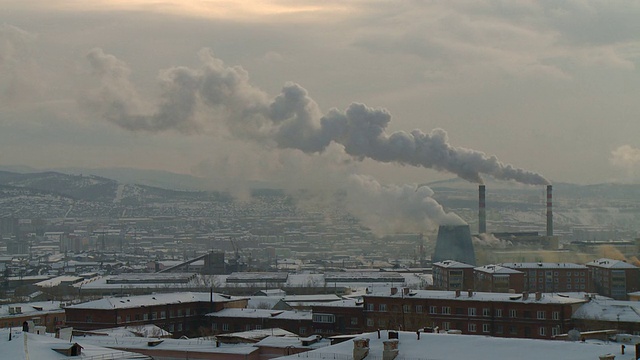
153, 316
446, 310
226, 328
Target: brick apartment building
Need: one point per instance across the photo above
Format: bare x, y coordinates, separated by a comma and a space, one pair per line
49, 314
538, 316
496, 278
554, 277
614, 278
338, 317
179, 313
452, 275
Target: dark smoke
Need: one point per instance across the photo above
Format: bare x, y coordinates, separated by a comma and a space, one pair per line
191, 98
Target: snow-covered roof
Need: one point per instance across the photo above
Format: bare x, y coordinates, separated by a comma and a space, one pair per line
609, 310
447, 346
32, 308
59, 280
611, 264
543, 265
147, 330
31, 346
263, 313
152, 300
546, 298
452, 264
343, 303
496, 269
255, 335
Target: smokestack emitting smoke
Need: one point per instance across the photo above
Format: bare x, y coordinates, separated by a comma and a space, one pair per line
482, 215
549, 211
222, 94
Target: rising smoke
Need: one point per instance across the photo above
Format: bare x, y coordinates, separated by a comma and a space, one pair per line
392, 208
215, 93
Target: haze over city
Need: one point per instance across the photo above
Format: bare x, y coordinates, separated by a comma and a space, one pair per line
544, 87
271, 179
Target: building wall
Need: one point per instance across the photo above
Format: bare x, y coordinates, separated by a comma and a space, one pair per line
500, 319
614, 283
179, 319
224, 325
52, 320
343, 320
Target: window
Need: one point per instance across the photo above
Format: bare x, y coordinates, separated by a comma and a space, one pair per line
498, 312
433, 309
258, 327
354, 321
472, 327
187, 312
324, 318
171, 313
568, 286
154, 315
471, 311
446, 325
382, 323
485, 328
214, 326
542, 331
486, 312
541, 315
118, 319
513, 330
499, 329
225, 327
554, 331
163, 314
382, 307
247, 327
302, 330
370, 322
446, 310
369, 307
555, 315
137, 317
406, 308
513, 313
127, 318
145, 316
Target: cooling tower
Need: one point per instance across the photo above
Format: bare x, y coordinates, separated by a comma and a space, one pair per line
454, 243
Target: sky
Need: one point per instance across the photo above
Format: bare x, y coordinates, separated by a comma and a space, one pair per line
293, 92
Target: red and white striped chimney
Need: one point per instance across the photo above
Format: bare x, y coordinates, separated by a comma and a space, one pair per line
549, 210
482, 215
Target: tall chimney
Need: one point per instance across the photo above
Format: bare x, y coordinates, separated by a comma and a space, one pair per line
549, 211
482, 215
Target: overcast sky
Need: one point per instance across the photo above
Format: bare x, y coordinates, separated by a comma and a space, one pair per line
549, 87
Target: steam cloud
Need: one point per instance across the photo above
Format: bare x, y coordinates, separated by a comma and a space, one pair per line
193, 98
392, 208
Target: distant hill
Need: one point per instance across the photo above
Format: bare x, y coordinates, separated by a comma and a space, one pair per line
95, 188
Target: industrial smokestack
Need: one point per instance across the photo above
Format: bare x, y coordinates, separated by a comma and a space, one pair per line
482, 215
549, 211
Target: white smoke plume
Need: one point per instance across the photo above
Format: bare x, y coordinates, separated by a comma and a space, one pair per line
625, 156
391, 208
489, 240
192, 99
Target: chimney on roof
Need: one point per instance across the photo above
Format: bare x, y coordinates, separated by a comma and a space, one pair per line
457, 293
470, 293
390, 350
360, 349
549, 210
394, 290
405, 291
525, 295
482, 215
538, 296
